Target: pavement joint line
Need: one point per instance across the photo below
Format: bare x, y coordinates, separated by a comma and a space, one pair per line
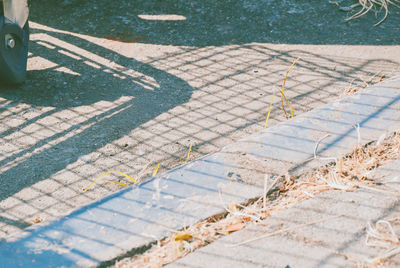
141, 214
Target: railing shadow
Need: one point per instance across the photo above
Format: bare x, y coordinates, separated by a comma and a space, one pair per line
90, 106
88, 109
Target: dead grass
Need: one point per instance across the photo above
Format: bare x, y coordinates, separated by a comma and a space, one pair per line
365, 6
347, 174
344, 173
362, 82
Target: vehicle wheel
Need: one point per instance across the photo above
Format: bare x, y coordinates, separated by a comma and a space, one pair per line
13, 52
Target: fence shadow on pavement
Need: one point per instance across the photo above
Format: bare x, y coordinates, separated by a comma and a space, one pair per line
92, 104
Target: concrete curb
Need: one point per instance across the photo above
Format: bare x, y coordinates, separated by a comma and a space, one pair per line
139, 215
339, 242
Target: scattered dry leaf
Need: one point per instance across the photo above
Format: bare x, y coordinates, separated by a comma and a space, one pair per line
37, 220
234, 227
183, 237
246, 218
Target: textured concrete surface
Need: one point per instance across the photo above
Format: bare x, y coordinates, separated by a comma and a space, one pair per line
130, 219
339, 242
111, 89
137, 216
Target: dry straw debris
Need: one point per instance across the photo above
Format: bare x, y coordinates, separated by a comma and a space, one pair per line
362, 82
368, 5
381, 235
344, 173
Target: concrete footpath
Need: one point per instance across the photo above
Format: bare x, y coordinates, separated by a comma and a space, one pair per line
339, 242
133, 218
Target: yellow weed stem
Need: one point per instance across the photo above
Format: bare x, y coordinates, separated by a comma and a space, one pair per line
269, 111
107, 173
156, 170
283, 94
188, 155
118, 183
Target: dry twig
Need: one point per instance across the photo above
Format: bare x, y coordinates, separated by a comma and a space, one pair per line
367, 6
